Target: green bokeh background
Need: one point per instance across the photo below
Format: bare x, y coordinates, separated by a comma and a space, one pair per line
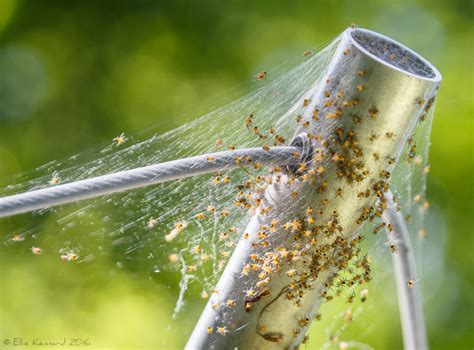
74, 74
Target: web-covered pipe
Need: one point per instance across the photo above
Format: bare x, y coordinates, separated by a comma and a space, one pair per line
359, 117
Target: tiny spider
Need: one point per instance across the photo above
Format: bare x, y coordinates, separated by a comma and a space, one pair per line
363, 295
261, 75
152, 223
173, 258
36, 250
55, 180
393, 248
119, 140
178, 227
18, 238
70, 256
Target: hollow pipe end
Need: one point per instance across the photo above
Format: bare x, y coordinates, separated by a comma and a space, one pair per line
393, 54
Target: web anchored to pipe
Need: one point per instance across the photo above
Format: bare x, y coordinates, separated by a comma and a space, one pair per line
312, 157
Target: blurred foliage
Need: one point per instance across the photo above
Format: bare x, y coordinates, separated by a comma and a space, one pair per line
76, 73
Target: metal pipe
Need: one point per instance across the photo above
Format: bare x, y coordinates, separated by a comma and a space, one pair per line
409, 298
360, 116
140, 177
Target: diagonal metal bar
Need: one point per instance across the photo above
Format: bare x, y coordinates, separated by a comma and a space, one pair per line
371, 96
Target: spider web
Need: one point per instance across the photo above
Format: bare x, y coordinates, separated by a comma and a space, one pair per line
182, 233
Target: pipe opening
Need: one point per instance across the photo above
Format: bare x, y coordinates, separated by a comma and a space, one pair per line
394, 53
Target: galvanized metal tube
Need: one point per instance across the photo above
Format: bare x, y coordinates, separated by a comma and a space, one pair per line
409, 298
374, 91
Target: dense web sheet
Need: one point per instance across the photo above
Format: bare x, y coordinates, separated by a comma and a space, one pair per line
135, 224
191, 226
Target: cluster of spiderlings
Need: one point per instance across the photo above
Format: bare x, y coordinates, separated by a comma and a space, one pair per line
339, 254
321, 245
169, 231
248, 196
203, 218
